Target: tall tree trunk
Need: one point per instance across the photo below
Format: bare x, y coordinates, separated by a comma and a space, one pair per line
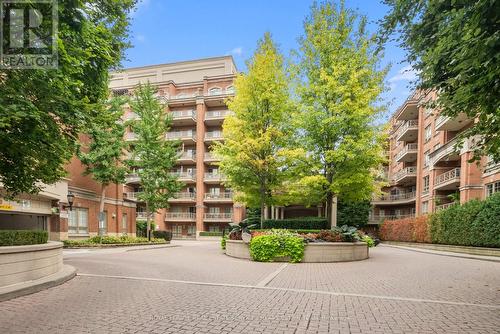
262, 209
328, 210
148, 223
101, 209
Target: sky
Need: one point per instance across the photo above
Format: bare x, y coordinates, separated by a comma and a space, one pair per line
165, 31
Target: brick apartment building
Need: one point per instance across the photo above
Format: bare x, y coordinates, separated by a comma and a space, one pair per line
195, 93
425, 171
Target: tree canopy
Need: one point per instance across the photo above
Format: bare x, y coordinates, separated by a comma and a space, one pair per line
454, 46
43, 111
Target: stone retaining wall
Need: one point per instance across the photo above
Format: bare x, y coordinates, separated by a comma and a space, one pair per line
313, 252
26, 263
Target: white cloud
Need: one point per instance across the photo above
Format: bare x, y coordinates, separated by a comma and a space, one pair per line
238, 51
407, 73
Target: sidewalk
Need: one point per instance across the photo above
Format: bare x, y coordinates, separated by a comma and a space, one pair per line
421, 249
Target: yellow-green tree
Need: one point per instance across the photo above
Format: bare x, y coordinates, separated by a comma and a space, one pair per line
339, 86
255, 156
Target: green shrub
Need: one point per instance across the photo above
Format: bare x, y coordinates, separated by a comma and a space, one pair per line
23, 237
475, 223
166, 235
210, 234
353, 213
280, 243
223, 242
111, 240
305, 223
369, 241
141, 228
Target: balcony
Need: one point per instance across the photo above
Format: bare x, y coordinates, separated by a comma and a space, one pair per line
213, 178
409, 110
180, 216
444, 206
130, 136
449, 180
218, 217
220, 197
183, 117
408, 131
408, 153
188, 157
183, 197
186, 136
132, 178
445, 153
185, 176
216, 117
210, 157
379, 219
445, 123
390, 199
143, 216
213, 136
405, 175
133, 196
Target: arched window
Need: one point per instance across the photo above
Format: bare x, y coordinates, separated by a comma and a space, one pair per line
215, 91
230, 90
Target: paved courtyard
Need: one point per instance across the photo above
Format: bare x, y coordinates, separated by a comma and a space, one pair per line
193, 288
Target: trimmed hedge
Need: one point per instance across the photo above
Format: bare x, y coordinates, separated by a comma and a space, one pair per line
210, 234
475, 223
305, 223
290, 230
167, 235
110, 240
23, 237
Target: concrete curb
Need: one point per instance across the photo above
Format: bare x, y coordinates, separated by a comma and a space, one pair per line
17, 290
442, 253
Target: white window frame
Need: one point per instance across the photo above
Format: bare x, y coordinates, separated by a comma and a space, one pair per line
82, 225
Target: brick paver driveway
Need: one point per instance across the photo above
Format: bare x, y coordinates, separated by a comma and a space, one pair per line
193, 288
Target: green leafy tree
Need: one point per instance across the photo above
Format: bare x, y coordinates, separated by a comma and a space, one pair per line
254, 155
153, 156
43, 111
353, 213
102, 149
339, 85
454, 46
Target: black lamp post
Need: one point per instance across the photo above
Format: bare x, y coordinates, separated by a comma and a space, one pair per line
71, 199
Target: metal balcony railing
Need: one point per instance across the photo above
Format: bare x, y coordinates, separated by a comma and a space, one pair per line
213, 176
184, 175
184, 195
224, 216
133, 195
187, 134
213, 135
409, 148
187, 155
396, 197
214, 114
405, 126
180, 215
408, 171
379, 219
210, 156
444, 206
177, 114
219, 196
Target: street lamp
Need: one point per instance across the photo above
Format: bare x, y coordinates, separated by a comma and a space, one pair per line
71, 199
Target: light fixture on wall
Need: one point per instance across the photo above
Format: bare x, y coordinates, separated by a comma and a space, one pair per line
71, 199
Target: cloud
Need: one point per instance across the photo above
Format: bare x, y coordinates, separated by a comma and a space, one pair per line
407, 73
238, 51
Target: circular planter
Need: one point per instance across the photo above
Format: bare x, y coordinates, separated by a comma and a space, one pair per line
313, 252
19, 264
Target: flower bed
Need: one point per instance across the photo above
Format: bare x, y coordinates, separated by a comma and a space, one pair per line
111, 241
341, 244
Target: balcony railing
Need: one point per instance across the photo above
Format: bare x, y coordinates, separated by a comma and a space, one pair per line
219, 196
451, 175
133, 195
184, 175
215, 114
188, 134
444, 206
213, 177
214, 135
184, 195
210, 156
408, 149
396, 197
180, 216
134, 177
143, 215
379, 219
187, 155
221, 216
408, 171
407, 125
178, 114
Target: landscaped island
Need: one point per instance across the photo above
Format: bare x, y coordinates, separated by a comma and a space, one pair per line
281, 245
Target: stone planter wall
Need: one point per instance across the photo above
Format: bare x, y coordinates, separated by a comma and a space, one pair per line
19, 264
313, 252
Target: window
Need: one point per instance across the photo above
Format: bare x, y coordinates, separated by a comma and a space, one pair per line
436, 147
425, 189
215, 91
492, 188
425, 207
213, 228
191, 230
78, 221
230, 90
428, 112
124, 222
176, 230
426, 159
428, 133
103, 225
